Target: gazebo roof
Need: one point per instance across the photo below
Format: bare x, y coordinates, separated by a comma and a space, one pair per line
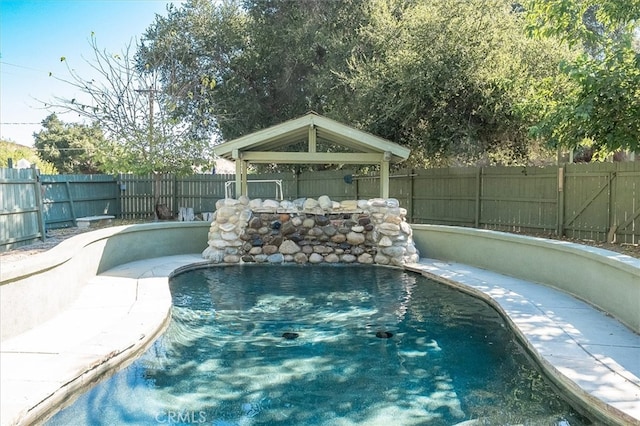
267, 145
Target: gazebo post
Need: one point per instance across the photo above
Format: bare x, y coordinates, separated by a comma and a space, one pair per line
241, 173
384, 175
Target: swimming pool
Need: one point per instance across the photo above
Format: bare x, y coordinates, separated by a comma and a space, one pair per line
324, 345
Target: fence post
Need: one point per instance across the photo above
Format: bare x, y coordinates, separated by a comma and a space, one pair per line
478, 197
37, 189
410, 197
67, 185
611, 220
560, 215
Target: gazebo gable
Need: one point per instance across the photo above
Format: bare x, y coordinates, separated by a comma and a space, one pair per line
269, 145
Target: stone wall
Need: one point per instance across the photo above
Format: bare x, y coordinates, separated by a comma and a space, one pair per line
310, 230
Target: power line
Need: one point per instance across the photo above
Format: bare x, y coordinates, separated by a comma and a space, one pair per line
18, 124
21, 66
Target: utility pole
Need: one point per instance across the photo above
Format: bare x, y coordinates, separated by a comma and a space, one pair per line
151, 92
156, 176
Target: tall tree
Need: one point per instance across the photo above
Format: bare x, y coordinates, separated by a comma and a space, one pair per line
603, 108
16, 152
271, 60
450, 79
138, 116
69, 147
446, 78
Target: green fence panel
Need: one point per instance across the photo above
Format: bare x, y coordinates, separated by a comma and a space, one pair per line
445, 196
626, 207
20, 208
587, 197
519, 199
69, 197
332, 183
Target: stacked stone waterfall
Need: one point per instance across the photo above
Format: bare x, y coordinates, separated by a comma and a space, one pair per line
310, 230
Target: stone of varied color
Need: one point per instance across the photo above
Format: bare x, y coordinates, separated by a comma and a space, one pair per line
307, 249
271, 205
329, 230
325, 202
349, 204
298, 203
300, 258
231, 258
289, 247
385, 242
355, 238
255, 204
296, 221
287, 228
229, 236
322, 220
332, 258
255, 223
315, 258
310, 204
287, 205
260, 258
357, 228
269, 249
309, 222
365, 258
394, 251
255, 250
275, 258
348, 258
339, 238
381, 259
388, 228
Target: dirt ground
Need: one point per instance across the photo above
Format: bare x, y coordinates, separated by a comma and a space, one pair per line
56, 236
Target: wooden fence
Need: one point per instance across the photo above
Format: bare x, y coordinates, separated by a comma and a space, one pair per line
21, 220
599, 201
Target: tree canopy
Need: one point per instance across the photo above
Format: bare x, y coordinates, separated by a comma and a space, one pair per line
449, 79
459, 82
69, 147
16, 152
602, 108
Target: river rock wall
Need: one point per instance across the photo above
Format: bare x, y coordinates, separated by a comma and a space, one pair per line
310, 230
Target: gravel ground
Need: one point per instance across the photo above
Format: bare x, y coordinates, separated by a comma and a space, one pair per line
56, 236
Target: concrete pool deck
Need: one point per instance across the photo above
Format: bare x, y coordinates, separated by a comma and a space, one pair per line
121, 311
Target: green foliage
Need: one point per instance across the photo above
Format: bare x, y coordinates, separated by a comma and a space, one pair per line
271, 60
602, 106
16, 152
71, 148
449, 79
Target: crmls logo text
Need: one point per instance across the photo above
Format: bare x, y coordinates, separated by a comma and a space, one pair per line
181, 417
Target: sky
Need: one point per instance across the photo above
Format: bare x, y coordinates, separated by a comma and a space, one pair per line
35, 34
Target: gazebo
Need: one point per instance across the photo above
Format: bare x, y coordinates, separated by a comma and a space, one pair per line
269, 146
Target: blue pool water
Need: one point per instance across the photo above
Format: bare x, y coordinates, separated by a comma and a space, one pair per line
313, 345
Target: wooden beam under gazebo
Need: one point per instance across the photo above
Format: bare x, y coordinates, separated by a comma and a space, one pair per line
266, 146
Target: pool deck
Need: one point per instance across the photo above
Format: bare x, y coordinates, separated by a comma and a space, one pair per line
120, 312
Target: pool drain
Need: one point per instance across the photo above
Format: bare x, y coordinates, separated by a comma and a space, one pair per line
290, 336
384, 334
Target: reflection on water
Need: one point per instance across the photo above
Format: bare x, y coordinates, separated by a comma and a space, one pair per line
446, 357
